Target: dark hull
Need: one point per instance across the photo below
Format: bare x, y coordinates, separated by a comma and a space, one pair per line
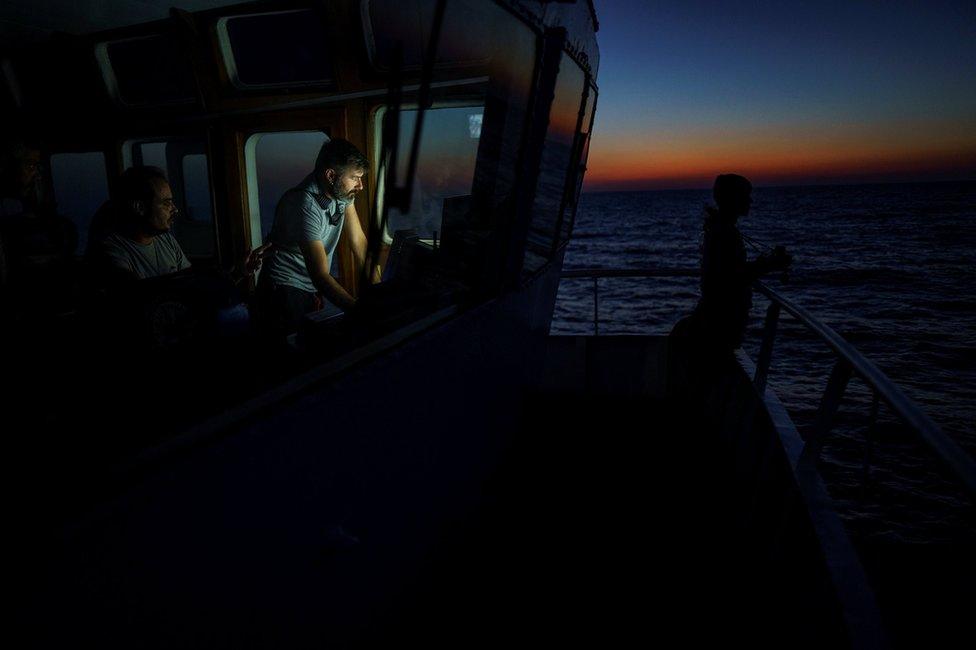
311, 522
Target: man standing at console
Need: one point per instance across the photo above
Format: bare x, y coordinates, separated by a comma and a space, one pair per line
309, 221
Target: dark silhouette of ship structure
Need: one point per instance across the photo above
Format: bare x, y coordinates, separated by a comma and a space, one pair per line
431, 466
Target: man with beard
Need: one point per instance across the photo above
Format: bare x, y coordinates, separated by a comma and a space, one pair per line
309, 221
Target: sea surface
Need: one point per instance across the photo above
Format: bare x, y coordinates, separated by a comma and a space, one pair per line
892, 268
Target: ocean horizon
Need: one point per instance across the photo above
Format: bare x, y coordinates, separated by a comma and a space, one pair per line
838, 183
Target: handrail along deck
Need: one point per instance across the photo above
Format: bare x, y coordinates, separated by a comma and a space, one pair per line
849, 362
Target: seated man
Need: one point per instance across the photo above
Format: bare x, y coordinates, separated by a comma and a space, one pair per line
135, 257
137, 243
140, 245
309, 221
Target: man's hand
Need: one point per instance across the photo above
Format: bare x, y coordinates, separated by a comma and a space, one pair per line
317, 265
253, 258
778, 260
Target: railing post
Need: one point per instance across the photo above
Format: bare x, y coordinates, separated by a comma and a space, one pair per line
829, 403
766, 350
869, 437
596, 307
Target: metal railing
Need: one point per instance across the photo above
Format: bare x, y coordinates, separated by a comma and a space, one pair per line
849, 362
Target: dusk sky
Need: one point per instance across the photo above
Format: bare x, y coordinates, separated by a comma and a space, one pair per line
784, 92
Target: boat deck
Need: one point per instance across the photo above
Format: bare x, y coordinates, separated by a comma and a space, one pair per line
609, 521
600, 516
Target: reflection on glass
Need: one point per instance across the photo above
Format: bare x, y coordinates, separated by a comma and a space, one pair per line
584, 151
557, 156
445, 168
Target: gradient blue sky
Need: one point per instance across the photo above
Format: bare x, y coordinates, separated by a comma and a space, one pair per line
789, 92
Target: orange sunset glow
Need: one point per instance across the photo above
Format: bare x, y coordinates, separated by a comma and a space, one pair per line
787, 95
780, 156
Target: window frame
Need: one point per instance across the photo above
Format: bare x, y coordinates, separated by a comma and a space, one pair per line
186, 145
111, 81
369, 42
226, 52
250, 144
376, 131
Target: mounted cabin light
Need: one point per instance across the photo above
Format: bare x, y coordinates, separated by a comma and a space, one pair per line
282, 49
146, 71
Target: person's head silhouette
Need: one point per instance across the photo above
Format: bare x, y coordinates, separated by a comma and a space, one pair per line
733, 195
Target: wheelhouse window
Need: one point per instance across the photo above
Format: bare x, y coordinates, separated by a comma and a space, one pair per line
80, 188
445, 168
152, 154
147, 71
196, 188
484, 59
557, 160
185, 162
465, 39
280, 49
276, 162
583, 148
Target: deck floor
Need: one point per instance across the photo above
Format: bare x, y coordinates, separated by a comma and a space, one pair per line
608, 523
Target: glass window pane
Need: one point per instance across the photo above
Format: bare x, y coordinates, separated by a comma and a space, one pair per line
281, 161
197, 188
467, 33
557, 154
153, 154
445, 168
194, 225
151, 71
189, 180
584, 146
80, 188
279, 49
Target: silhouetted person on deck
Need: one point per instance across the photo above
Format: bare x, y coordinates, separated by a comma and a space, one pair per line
701, 345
